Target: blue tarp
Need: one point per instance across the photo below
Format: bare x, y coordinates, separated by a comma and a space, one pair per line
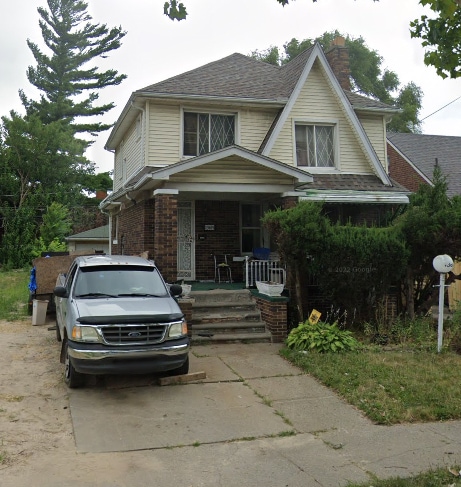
33, 280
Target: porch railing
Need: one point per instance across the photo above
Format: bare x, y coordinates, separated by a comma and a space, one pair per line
263, 270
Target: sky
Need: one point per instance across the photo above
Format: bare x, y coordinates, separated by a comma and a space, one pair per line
156, 48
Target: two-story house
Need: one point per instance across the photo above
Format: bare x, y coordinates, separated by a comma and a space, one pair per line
200, 157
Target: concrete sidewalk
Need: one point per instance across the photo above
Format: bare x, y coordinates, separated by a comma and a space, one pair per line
255, 420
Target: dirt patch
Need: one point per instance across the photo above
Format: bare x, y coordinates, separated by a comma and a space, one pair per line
34, 414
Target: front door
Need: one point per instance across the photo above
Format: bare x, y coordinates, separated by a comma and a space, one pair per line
186, 240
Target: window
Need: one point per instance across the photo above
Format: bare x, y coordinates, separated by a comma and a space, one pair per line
251, 227
315, 145
204, 132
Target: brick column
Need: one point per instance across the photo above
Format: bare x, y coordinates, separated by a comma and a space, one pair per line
274, 312
166, 233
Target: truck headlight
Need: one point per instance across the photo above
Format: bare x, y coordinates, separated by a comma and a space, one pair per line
84, 334
178, 329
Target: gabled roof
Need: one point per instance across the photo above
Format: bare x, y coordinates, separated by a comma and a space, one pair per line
238, 78
157, 177
99, 233
242, 77
422, 151
316, 53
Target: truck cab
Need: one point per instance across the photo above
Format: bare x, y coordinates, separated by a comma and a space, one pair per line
116, 315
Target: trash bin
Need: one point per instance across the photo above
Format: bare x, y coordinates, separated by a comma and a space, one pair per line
39, 308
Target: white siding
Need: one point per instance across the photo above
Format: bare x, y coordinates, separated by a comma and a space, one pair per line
317, 102
128, 157
254, 125
232, 170
164, 134
375, 128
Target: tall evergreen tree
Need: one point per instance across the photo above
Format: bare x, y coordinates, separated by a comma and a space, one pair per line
68, 78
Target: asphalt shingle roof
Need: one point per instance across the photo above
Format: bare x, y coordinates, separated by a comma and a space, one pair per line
242, 77
423, 150
354, 182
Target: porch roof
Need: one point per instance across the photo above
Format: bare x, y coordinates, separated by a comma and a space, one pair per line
271, 176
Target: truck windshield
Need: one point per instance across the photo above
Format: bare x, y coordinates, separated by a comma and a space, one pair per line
115, 281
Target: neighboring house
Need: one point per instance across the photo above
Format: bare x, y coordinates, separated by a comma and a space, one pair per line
413, 157
95, 240
200, 157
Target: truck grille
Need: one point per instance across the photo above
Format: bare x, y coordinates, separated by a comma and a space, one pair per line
133, 334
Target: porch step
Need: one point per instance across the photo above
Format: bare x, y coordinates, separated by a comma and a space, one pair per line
224, 316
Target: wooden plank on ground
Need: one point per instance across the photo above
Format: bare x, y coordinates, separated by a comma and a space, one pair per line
181, 379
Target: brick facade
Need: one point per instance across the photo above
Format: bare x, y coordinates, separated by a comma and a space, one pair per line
135, 230
224, 239
165, 235
402, 172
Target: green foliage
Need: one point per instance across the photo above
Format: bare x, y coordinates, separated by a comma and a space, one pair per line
358, 265
354, 266
416, 334
321, 337
441, 36
56, 245
68, 89
298, 232
15, 294
18, 240
56, 225
431, 225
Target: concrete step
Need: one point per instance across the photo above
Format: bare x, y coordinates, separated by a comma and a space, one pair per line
226, 316
242, 296
212, 315
229, 327
232, 338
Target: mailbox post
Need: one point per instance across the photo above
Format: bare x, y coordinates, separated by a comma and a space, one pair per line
442, 264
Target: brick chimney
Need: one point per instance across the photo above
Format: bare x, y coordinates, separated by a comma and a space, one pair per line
338, 57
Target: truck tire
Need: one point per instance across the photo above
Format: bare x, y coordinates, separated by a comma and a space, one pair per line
72, 378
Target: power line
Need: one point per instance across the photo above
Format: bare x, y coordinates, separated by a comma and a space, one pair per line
441, 108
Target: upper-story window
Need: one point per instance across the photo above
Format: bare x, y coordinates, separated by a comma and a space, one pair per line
315, 145
206, 132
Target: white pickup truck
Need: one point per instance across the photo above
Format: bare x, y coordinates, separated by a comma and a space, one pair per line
116, 315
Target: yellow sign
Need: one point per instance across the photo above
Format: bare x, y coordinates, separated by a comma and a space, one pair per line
315, 316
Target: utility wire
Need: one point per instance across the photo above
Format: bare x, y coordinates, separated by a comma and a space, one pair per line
441, 108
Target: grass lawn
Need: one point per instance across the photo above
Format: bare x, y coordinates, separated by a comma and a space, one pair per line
390, 387
14, 294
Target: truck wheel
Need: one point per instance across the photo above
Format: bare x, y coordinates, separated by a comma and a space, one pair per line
183, 370
72, 378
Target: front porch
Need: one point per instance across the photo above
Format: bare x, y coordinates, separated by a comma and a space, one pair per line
228, 312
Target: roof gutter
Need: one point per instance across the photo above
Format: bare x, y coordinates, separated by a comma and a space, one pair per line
337, 196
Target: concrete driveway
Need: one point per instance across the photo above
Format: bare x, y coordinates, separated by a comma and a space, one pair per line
255, 420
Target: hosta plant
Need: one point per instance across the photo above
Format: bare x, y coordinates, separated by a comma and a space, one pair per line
321, 337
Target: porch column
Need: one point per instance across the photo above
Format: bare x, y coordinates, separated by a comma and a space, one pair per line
166, 232
289, 202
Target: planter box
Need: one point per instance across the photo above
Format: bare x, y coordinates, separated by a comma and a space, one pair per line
269, 288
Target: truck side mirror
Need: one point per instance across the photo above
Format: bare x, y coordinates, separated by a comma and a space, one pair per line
60, 291
175, 290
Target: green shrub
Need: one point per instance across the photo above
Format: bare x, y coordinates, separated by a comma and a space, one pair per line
321, 337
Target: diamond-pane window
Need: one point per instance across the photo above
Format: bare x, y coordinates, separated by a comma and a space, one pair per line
205, 132
315, 145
